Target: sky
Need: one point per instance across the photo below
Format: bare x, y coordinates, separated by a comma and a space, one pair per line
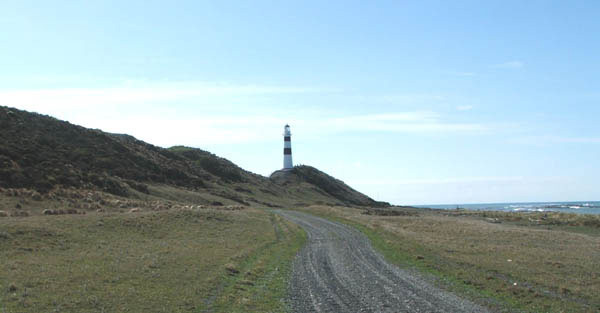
411, 102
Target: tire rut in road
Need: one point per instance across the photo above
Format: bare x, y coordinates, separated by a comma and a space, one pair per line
338, 271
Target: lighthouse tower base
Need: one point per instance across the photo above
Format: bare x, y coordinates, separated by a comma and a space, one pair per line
284, 175
287, 162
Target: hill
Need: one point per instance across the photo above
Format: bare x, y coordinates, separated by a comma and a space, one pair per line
43, 155
324, 184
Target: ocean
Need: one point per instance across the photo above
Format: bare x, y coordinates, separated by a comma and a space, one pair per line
580, 207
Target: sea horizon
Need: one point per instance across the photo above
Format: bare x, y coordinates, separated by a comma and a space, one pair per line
579, 207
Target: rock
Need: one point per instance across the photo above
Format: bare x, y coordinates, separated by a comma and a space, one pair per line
3, 214
135, 210
48, 212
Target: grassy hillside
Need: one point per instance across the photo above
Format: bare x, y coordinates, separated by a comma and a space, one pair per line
42, 155
334, 187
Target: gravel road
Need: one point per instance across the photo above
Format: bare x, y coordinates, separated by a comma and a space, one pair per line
338, 271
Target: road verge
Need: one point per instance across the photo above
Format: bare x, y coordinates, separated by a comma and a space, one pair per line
502, 265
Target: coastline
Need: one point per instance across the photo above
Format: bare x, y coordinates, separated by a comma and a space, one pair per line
577, 207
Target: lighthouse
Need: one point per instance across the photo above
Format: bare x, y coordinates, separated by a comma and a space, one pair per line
287, 148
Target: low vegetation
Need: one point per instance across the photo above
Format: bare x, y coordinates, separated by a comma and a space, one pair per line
507, 261
567, 221
178, 260
334, 187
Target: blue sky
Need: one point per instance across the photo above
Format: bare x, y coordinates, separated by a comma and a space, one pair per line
418, 102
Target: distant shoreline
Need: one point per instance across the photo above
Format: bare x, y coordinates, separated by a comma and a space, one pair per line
578, 207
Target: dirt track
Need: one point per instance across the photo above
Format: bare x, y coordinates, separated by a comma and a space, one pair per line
338, 271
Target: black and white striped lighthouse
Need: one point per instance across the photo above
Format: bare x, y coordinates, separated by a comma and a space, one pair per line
287, 148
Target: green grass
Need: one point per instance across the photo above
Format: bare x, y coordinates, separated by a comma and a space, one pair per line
510, 268
259, 282
168, 261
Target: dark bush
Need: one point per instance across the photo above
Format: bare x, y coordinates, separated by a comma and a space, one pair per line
138, 186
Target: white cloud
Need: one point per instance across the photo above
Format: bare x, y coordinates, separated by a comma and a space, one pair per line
192, 131
509, 65
466, 74
464, 107
407, 98
148, 60
578, 139
198, 114
218, 129
201, 130
8, 20
546, 140
440, 181
419, 121
135, 93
